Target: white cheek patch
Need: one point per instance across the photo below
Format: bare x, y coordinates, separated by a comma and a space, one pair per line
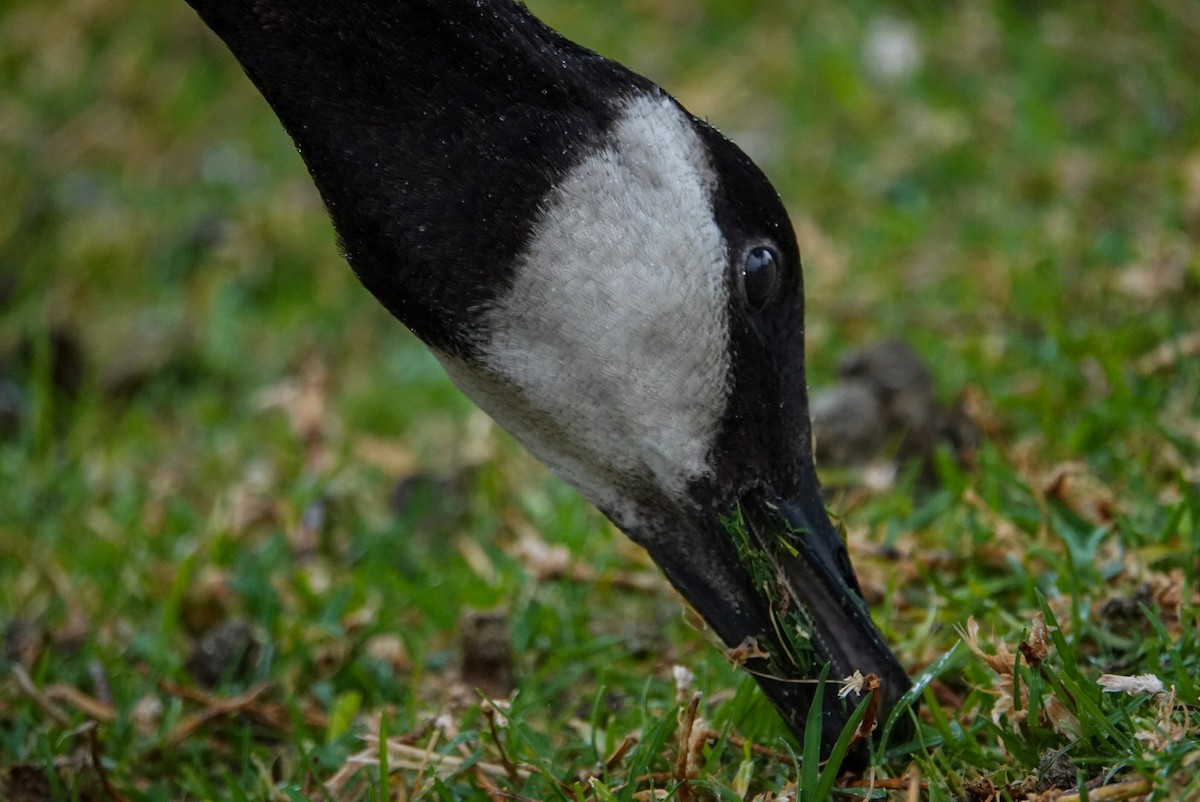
609, 358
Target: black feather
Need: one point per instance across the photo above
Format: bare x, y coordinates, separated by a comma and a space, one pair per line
432, 128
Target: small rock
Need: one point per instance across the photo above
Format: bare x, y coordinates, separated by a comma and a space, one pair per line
228, 652
904, 387
1056, 770
33, 782
487, 662
849, 425
884, 410
1124, 613
980, 789
27, 782
206, 602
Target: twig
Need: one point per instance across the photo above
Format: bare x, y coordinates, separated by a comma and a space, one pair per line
481, 777
1113, 793
914, 783
1167, 354
489, 713
627, 743
484, 784
25, 683
92, 707
413, 758
98, 765
416, 733
686, 723
869, 721
217, 708
738, 742
495, 792
653, 778
184, 692
271, 714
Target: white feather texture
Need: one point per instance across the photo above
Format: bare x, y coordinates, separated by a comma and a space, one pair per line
609, 358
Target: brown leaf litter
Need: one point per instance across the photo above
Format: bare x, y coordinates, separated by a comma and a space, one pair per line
1012, 696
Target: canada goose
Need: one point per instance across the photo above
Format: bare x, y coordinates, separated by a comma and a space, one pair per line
608, 277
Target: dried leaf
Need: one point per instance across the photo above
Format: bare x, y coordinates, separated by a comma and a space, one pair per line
746, 650
1039, 646
1142, 683
852, 684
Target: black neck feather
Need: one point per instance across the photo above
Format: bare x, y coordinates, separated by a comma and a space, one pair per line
432, 128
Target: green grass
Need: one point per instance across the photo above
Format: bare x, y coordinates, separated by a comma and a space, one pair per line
1023, 207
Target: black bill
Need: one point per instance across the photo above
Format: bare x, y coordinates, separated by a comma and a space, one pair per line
773, 579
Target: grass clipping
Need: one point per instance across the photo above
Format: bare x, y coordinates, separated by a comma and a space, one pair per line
791, 652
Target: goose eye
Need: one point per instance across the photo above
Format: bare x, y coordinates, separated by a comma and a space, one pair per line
760, 276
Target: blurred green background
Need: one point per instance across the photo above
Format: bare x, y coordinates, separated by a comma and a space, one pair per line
203, 416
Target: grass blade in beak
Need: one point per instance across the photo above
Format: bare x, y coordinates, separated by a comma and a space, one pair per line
817, 616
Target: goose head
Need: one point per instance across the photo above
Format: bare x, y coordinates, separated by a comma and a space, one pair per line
608, 277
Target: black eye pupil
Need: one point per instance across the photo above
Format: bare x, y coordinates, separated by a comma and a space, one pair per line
760, 276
